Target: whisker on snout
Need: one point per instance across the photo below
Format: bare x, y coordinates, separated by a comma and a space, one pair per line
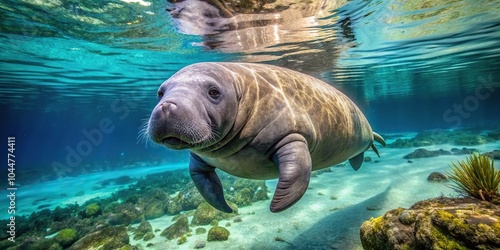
214, 135
143, 136
204, 141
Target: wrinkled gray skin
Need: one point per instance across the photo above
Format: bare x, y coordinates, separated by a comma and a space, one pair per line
257, 121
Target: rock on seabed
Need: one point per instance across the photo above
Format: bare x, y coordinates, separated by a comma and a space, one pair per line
217, 233
178, 229
440, 223
106, 238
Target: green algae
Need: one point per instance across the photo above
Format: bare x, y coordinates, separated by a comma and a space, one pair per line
66, 237
218, 233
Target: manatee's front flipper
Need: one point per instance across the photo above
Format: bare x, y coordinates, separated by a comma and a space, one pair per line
208, 183
357, 160
294, 162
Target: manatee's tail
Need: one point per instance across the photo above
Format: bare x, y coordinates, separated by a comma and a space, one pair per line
380, 140
358, 159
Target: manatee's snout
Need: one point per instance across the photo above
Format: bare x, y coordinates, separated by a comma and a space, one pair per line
178, 123
162, 124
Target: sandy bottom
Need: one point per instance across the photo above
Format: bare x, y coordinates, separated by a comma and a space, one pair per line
332, 210
327, 217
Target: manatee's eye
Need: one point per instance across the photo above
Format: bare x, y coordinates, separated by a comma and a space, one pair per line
160, 94
213, 92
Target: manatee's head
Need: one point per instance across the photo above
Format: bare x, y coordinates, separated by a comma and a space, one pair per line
196, 107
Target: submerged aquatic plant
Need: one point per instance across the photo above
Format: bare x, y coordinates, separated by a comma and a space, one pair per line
477, 177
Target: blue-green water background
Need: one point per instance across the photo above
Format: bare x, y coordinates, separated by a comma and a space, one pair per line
67, 66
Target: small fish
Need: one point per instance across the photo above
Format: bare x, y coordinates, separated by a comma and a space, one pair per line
282, 240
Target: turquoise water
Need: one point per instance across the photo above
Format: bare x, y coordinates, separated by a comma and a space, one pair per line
67, 67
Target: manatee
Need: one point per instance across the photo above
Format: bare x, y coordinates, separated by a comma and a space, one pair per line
257, 121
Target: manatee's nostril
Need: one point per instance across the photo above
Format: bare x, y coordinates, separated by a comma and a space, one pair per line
168, 106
